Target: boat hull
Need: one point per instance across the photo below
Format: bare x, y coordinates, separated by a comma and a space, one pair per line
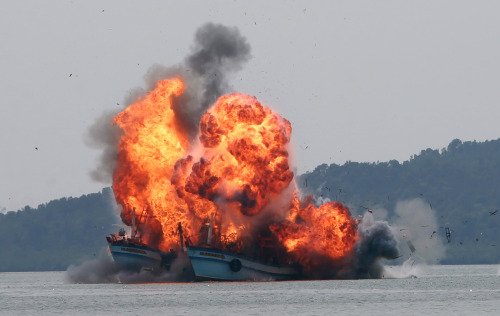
135, 258
216, 265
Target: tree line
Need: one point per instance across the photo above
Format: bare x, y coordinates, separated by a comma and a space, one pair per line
57, 234
459, 183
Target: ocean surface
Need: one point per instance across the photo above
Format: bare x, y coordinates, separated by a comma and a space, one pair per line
435, 290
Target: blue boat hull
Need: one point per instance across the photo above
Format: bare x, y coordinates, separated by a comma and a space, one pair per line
216, 265
135, 258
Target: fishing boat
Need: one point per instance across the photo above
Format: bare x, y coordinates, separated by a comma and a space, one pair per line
130, 253
211, 261
211, 264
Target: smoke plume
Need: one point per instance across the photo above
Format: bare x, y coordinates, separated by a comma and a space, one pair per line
218, 50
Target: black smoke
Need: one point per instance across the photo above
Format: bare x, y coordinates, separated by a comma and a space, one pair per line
377, 241
218, 51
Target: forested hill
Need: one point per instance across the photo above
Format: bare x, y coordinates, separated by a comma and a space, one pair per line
460, 186
56, 234
459, 183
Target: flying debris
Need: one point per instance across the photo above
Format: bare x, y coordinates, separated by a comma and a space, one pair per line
411, 246
367, 209
432, 234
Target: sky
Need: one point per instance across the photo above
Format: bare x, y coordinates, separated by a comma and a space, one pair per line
361, 81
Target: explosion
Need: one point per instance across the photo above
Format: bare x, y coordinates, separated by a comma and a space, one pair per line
238, 172
149, 147
189, 156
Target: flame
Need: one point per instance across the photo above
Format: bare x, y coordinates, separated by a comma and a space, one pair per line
245, 158
312, 235
236, 175
148, 149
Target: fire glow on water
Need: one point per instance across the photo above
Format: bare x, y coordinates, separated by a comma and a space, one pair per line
236, 170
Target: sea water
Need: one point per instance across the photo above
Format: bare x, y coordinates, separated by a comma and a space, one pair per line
433, 290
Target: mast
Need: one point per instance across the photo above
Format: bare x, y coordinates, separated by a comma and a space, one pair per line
133, 223
210, 227
181, 237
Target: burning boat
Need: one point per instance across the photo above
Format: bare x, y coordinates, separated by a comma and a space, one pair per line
130, 254
215, 259
186, 151
133, 255
236, 168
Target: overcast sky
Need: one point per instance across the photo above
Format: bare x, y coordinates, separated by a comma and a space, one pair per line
363, 81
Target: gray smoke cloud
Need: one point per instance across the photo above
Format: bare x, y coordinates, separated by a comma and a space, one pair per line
421, 240
419, 230
217, 52
103, 270
377, 240
99, 270
104, 136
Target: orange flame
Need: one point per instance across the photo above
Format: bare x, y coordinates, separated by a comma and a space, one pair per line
324, 233
233, 176
149, 147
